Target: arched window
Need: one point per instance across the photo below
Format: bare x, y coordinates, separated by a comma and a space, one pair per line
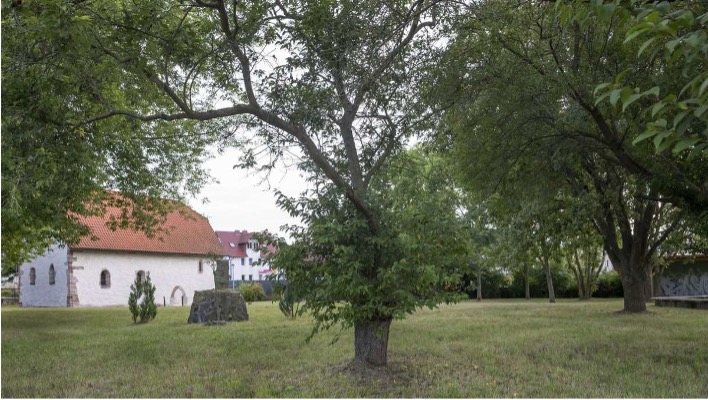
105, 279
33, 276
141, 276
52, 275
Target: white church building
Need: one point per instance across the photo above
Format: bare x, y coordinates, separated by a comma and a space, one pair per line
99, 270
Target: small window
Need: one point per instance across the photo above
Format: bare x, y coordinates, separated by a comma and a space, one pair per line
260, 277
106, 279
201, 266
243, 261
141, 276
33, 276
250, 277
52, 275
250, 261
243, 277
232, 245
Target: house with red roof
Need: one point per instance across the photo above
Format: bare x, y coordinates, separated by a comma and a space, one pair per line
245, 256
99, 270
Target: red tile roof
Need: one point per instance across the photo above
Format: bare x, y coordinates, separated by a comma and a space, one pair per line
185, 232
268, 250
239, 239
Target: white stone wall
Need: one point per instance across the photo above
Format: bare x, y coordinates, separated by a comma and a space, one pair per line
167, 272
42, 294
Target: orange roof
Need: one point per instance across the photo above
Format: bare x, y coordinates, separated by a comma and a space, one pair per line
184, 231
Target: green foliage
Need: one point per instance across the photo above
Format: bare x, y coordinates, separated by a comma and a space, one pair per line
58, 154
252, 292
287, 303
546, 161
672, 35
345, 274
499, 283
609, 284
141, 301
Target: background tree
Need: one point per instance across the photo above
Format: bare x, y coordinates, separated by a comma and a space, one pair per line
672, 33
55, 164
521, 81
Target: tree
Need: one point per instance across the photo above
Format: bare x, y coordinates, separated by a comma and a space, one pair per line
141, 301
583, 255
334, 81
55, 165
675, 116
523, 81
422, 253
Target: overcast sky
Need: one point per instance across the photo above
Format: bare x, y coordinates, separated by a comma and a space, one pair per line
238, 201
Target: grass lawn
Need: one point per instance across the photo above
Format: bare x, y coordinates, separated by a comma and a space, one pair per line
489, 349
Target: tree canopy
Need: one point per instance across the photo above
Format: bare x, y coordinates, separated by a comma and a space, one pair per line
524, 123
57, 157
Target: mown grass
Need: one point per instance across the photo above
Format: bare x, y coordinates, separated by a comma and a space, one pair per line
488, 349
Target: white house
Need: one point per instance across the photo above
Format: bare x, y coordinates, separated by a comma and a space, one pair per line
99, 270
244, 255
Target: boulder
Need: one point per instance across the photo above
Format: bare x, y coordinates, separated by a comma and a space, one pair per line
211, 306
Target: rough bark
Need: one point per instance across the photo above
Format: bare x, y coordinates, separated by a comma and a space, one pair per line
633, 285
371, 341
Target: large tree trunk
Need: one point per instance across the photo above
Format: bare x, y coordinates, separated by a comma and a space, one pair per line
371, 341
526, 281
633, 285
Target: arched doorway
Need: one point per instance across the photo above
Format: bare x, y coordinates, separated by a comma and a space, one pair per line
178, 296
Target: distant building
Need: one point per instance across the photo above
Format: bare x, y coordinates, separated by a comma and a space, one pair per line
245, 256
98, 271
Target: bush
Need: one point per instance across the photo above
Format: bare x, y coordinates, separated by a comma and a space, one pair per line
141, 300
609, 284
286, 300
252, 292
9, 293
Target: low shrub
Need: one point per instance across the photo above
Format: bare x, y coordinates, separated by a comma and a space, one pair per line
609, 284
252, 292
287, 302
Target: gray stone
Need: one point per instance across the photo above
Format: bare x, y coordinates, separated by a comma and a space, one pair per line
211, 306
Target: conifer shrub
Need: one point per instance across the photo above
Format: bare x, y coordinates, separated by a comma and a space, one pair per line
141, 300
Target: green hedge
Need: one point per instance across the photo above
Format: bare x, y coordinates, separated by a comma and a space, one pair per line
252, 292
